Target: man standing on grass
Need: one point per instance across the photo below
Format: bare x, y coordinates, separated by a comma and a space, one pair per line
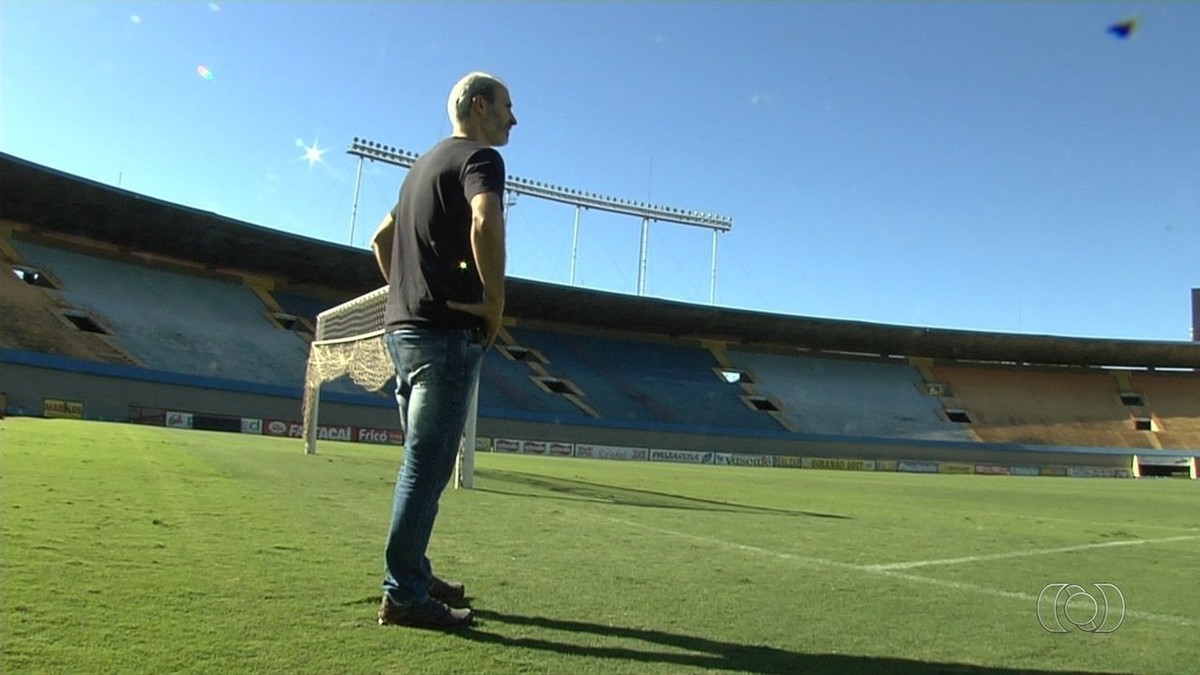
441, 250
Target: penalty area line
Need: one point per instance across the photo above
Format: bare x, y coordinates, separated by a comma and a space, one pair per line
1093, 523
986, 590
1023, 554
876, 570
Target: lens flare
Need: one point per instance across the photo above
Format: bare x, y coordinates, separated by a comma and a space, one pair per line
204, 72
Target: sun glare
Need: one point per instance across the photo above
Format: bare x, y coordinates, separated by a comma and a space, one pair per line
311, 153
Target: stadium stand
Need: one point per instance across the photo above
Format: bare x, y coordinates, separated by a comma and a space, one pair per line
33, 321
191, 303
1044, 406
846, 396
508, 391
632, 380
303, 305
176, 322
1171, 404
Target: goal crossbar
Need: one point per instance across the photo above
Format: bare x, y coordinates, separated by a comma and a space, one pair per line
349, 341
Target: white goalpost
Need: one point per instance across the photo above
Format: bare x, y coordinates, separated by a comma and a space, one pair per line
349, 341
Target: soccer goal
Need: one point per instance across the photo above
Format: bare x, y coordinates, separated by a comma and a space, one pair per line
349, 341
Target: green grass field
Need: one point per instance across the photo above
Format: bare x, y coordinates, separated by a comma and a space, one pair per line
131, 549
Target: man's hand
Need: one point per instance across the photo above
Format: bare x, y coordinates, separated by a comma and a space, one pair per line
490, 310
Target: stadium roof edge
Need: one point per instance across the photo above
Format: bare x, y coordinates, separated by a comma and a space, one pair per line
601, 309
55, 201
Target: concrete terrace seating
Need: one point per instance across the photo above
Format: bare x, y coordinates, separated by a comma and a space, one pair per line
174, 322
506, 388
302, 305
640, 381
847, 396
32, 323
1046, 406
1174, 400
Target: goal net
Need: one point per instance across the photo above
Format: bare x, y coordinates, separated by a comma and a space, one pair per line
349, 341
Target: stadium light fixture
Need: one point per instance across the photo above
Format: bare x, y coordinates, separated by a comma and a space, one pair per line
378, 152
648, 213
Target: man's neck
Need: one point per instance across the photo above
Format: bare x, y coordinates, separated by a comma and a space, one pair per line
469, 134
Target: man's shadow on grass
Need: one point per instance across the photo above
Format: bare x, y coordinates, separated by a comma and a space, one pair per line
708, 654
573, 489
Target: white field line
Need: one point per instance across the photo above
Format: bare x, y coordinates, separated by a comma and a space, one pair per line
1180, 528
1032, 599
1022, 554
892, 573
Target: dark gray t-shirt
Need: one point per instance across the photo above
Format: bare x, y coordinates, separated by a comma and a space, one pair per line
432, 259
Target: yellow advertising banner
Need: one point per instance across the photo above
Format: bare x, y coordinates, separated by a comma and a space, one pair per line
838, 463
57, 407
955, 467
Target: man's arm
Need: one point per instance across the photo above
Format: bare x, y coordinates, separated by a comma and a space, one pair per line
381, 244
487, 243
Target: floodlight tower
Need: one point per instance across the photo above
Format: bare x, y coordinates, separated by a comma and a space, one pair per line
1196, 315
648, 213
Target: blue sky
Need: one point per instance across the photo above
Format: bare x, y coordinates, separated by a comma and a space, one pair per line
989, 166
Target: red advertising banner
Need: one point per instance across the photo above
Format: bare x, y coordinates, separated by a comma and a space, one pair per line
533, 447
325, 432
377, 435
507, 445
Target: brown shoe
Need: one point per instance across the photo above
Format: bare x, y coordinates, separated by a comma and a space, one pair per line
449, 592
430, 614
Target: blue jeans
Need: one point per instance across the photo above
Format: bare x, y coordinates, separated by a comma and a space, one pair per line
436, 370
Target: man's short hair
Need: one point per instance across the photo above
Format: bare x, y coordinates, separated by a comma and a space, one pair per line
470, 86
